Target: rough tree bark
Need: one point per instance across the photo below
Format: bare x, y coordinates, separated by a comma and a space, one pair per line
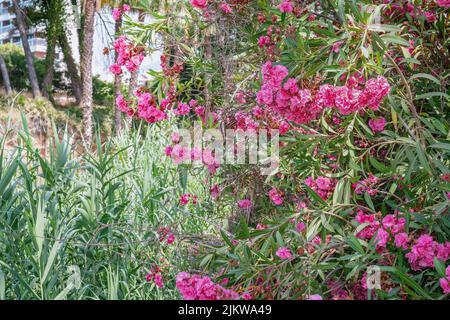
47, 83
5, 76
21, 25
72, 67
86, 67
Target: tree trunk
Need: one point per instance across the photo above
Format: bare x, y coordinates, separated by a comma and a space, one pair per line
208, 78
27, 50
47, 83
86, 67
72, 67
117, 84
134, 75
5, 76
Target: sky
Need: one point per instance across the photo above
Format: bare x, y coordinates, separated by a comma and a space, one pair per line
103, 37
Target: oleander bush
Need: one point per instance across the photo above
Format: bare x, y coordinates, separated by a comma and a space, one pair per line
359, 93
357, 208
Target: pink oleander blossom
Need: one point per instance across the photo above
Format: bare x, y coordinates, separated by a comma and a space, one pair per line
275, 196
445, 282
184, 199
286, 6
116, 13
245, 204
284, 253
214, 191
225, 7
115, 69
300, 227
302, 105
183, 109
263, 41
424, 250
337, 46
158, 279
195, 287
377, 125
170, 238
200, 4
401, 240
443, 3
121, 103
323, 186
430, 16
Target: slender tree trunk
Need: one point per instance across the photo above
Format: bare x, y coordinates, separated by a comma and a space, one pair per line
86, 67
117, 83
27, 50
208, 78
47, 83
5, 76
72, 67
134, 75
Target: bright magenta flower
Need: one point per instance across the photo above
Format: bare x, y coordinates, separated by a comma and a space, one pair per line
225, 8
275, 196
284, 253
116, 13
377, 125
200, 4
286, 6
245, 204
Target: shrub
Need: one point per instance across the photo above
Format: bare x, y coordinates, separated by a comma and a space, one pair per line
362, 108
17, 69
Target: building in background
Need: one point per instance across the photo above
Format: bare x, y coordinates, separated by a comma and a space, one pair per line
103, 37
10, 34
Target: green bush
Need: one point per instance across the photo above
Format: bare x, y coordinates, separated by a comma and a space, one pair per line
88, 228
17, 68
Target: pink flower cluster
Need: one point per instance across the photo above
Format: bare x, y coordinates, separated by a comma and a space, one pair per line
128, 55
401, 7
389, 228
302, 105
366, 185
323, 186
195, 287
445, 282
200, 4
245, 204
300, 226
276, 197
284, 253
180, 154
377, 125
117, 12
443, 3
201, 112
286, 6
146, 107
424, 250
182, 109
166, 234
155, 276
185, 198
225, 7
